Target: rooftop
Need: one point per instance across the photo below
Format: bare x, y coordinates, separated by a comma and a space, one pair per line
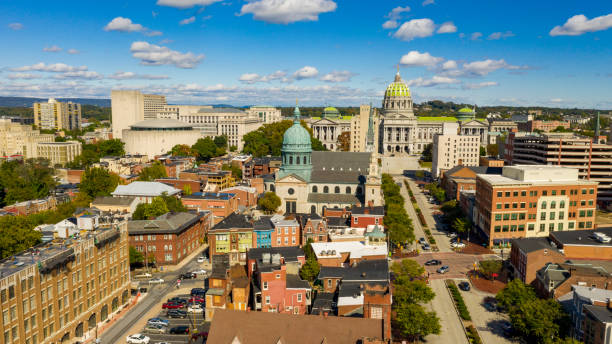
535, 175
234, 221
221, 110
436, 119
173, 223
289, 254
602, 314
595, 294
528, 245
147, 189
107, 200
379, 210
364, 271
161, 123
211, 196
580, 237
273, 328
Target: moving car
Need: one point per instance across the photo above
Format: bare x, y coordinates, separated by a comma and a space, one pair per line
199, 272
195, 309
172, 305
176, 313
137, 338
155, 328
143, 275
179, 330
158, 321
433, 262
465, 286
443, 269
188, 275
156, 281
426, 247
422, 241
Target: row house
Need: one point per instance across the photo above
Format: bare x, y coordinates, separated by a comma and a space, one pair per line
362, 217
232, 236
276, 231
247, 196
555, 280
229, 287
314, 228
219, 179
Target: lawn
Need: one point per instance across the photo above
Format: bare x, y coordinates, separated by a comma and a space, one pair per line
426, 164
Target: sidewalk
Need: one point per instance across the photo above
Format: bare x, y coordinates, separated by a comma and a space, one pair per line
196, 253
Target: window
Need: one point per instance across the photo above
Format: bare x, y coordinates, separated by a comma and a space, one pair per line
299, 297
290, 191
267, 299
315, 189
514, 216
545, 193
543, 216
521, 228
498, 217
507, 193
553, 205
552, 215
507, 206
277, 277
515, 194
522, 205
523, 193
543, 206
582, 213
497, 228
562, 192
498, 206
561, 215
521, 216
560, 226
505, 228
561, 204
506, 217
348, 189
265, 285
554, 192
551, 227
325, 189
514, 205
530, 226
591, 191
589, 213
584, 191
542, 227
376, 313
570, 225
513, 228
499, 194
337, 189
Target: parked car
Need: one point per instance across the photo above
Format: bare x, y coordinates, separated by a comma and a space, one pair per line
201, 259
422, 241
433, 262
158, 321
179, 330
198, 291
490, 306
176, 313
156, 281
465, 286
172, 305
177, 300
155, 328
188, 275
199, 272
195, 308
196, 299
138, 338
143, 275
457, 244
451, 235
204, 335
426, 247
443, 269
507, 329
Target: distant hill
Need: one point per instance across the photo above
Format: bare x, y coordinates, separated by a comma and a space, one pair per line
27, 102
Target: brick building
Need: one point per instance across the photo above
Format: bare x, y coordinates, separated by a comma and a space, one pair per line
463, 178
232, 236
532, 201
247, 196
584, 244
221, 205
555, 280
545, 126
362, 217
170, 237
313, 227
183, 184
598, 324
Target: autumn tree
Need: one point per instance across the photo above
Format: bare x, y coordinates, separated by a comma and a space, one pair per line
344, 141
269, 202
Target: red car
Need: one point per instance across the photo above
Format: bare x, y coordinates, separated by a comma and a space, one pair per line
196, 299
172, 305
200, 335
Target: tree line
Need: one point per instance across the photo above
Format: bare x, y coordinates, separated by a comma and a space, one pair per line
268, 139
399, 226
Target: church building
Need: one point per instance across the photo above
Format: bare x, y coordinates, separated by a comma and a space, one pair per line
309, 182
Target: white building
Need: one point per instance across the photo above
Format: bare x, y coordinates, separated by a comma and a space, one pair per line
144, 192
180, 111
129, 107
451, 149
265, 113
20, 139
329, 127
158, 136
58, 153
56, 115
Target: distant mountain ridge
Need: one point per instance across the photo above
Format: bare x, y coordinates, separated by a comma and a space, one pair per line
27, 101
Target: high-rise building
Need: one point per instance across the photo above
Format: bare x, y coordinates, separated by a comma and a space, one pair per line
54, 115
19, 139
60, 291
451, 149
532, 201
593, 160
130, 107
58, 153
360, 126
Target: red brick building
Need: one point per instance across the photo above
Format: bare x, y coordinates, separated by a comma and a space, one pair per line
313, 227
362, 217
463, 178
170, 237
219, 204
247, 196
181, 184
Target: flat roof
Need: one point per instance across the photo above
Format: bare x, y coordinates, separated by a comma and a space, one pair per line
581, 237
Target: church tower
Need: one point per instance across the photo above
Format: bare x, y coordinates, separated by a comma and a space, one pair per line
296, 151
370, 135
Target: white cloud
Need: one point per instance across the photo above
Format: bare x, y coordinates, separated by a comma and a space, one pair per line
415, 58
187, 20
52, 49
73, 51
428, 2
123, 25
556, 100
475, 36
132, 75
305, 72
499, 35
450, 64
27, 76
434, 81
153, 33
166, 41
156, 55
415, 28
287, 11
278, 75
53, 68
447, 27
484, 67
80, 74
390, 24
338, 76
580, 24
15, 26
183, 4
250, 78
480, 85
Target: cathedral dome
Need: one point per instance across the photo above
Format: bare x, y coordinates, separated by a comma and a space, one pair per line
397, 98
296, 138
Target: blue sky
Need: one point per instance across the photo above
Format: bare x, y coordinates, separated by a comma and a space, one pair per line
324, 52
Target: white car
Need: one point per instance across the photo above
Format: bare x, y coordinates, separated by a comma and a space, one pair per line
143, 275
452, 235
457, 244
156, 281
138, 339
195, 309
201, 259
199, 272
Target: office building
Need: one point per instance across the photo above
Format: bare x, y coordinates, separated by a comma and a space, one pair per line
451, 149
178, 111
158, 136
593, 160
62, 290
545, 126
58, 153
364, 128
54, 115
20, 139
265, 113
533, 201
130, 107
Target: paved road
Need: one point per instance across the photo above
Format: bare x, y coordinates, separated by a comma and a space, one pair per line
451, 327
488, 324
458, 263
418, 230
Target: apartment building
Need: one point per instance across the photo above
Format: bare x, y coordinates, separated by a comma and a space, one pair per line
54, 115
266, 114
20, 139
232, 236
129, 107
62, 290
59, 153
545, 126
532, 201
593, 160
451, 149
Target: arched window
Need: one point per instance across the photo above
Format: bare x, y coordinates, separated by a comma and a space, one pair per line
552, 205
315, 189
272, 188
304, 160
290, 160
543, 205
348, 189
313, 209
562, 204
325, 189
297, 160
337, 189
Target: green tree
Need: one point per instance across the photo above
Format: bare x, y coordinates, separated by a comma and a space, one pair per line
427, 152
233, 148
25, 180
483, 151
269, 202
98, 182
539, 321
206, 149
236, 171
187, 190
415, 291
136, 257
112, 147
17, 234
310, 269
515, 293
172, 203
268, 139
462, 225
409, 268
221, 141
182, 150
148, 211
413, 322
155, 171
492, 149
490, 267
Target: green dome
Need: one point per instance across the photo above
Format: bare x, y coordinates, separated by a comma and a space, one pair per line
331, 109
296, 138
331, 112
466, 110
397, 88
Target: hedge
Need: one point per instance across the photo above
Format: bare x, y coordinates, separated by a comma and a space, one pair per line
473, 335
463, 311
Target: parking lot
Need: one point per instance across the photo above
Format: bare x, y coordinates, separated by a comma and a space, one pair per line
192, 320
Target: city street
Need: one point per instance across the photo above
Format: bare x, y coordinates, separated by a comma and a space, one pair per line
451, 327
458, 263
